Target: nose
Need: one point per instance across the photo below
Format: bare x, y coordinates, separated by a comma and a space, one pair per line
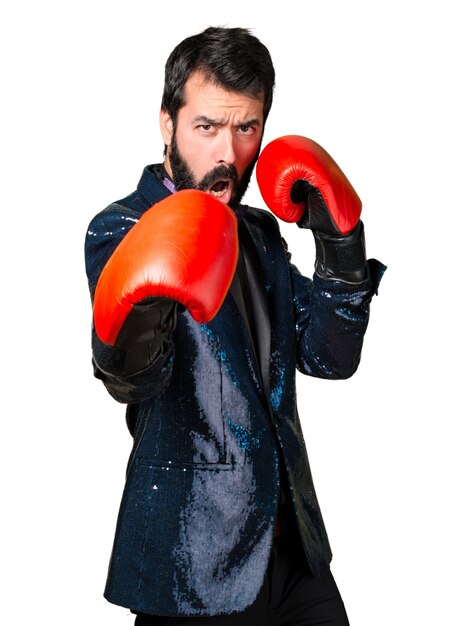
226, 149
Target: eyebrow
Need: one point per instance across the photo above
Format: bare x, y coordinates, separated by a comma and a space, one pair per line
216, 122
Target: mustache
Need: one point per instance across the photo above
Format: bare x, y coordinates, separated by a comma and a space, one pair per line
221, 172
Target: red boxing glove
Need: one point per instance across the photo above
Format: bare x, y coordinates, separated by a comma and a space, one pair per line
301, 183
184, 248
291, 170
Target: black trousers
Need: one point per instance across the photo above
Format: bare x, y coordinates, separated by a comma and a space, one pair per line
290, 596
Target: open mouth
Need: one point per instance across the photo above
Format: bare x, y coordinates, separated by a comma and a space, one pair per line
220, 188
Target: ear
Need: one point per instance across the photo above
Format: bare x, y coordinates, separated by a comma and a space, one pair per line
166, 126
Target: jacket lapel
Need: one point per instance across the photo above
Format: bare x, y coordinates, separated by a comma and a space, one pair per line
231, 327
257, 293
275, 306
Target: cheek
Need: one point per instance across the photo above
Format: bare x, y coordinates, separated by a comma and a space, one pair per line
246, 156
195, 153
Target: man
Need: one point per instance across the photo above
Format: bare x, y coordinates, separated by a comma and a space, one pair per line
200, 321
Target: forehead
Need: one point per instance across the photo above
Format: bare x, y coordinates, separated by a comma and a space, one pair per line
201, 96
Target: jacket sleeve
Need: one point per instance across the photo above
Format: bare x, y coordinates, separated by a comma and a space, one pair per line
104, 234
331, 318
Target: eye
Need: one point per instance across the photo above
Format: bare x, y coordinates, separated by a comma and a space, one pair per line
245, 129
205, 128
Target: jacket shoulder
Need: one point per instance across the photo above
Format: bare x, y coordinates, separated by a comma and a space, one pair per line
103, 235
109, 226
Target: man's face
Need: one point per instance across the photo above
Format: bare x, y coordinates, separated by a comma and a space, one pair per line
216, 141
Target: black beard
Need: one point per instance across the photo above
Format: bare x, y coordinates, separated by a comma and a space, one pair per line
184, 178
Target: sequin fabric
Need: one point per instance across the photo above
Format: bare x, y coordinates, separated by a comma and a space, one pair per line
196, 521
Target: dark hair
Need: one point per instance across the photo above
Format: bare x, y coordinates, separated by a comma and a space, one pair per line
231, 58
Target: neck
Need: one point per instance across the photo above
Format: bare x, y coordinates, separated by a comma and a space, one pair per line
166, 164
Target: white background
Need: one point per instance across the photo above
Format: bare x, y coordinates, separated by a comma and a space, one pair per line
82, 83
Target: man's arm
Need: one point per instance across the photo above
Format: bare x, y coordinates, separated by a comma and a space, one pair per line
181, 253
301, 183
331, 318
134, 374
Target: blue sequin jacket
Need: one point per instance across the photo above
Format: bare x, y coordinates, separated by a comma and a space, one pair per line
196, 521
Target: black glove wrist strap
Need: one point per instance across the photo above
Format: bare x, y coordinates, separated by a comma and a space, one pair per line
341, 257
